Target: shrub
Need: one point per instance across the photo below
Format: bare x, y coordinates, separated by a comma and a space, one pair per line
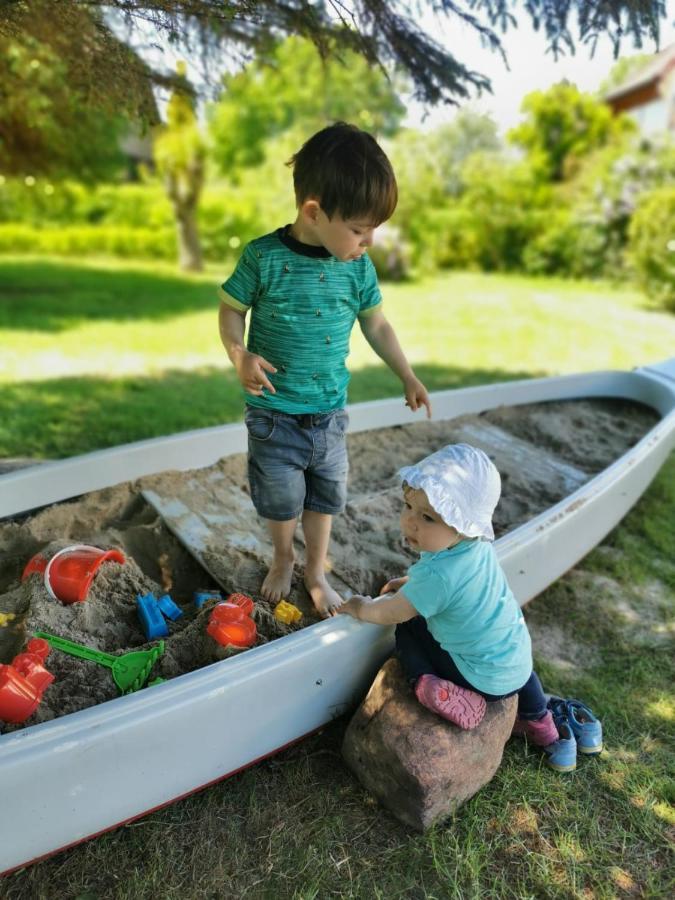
503, 203
82, 240
453, 238
130, 205
553, 249
124, 220
651, 244
40, 202
228, 219
566, 245
608, 190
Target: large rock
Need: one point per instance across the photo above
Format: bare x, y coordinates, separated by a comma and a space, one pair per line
416, 764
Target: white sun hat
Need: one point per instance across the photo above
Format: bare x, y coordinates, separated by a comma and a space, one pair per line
462, 485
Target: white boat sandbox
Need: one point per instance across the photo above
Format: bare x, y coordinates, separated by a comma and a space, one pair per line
69, 779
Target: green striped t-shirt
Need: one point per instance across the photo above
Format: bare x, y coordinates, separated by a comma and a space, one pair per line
303, 303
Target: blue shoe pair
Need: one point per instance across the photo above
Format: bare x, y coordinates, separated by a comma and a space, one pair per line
586, 728
578, 729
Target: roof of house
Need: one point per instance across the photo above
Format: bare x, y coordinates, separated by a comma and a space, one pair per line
652, 71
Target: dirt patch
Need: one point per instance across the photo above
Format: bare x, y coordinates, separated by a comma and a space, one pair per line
554, 643
543, 451
641, 612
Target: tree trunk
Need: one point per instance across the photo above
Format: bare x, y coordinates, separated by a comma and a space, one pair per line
183, 187
189, 246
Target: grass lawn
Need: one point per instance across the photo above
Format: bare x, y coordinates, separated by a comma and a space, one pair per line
93, 356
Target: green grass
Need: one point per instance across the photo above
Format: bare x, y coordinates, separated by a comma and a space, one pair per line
99, 354
95, 355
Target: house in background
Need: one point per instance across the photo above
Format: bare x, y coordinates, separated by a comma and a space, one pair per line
136, 147
648, 95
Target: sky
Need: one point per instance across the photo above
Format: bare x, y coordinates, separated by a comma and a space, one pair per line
531, 68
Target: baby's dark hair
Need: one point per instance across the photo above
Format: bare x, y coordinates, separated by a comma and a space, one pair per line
347, 171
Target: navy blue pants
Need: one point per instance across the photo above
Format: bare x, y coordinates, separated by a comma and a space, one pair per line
420, 654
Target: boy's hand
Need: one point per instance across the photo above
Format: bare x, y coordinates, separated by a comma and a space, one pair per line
416, 395
393, 585
251, 370
381, 337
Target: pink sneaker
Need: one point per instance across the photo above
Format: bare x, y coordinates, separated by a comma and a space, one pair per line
458, 705
540, 732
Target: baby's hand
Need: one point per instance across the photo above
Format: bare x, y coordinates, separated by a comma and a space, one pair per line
393, 585
251, 370
354, 605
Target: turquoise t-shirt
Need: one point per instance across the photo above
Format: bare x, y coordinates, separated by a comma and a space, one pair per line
471, 611
303, 303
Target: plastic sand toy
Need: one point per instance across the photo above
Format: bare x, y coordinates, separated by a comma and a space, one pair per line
287, 613
152, 620
169, 609
69, 573
18, 697
152, 612
230, 625
202, 597
23, 682
243, 601
130, 671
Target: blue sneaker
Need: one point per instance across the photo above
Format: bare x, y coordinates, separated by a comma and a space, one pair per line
561, 755
586, 728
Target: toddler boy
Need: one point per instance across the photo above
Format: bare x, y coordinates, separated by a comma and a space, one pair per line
305, 285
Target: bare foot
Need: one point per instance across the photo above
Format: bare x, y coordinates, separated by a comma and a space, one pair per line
325, 599
277, 583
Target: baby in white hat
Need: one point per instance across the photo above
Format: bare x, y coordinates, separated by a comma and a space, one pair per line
461, 637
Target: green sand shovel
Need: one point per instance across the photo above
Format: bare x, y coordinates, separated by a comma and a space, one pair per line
130, 671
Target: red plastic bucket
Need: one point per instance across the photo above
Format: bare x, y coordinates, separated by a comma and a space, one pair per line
69, 573
35, 565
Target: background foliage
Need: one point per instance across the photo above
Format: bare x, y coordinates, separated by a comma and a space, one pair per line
557, 197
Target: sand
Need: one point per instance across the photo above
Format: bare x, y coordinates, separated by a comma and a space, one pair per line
543, 452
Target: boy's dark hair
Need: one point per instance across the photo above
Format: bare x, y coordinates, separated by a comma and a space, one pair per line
348, 172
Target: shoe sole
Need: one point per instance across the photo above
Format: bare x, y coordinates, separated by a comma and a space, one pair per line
558, 768
591, 751
458, 708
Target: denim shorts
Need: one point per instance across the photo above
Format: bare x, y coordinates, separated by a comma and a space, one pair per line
297, 462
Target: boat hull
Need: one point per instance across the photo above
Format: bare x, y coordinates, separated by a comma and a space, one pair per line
69, 779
